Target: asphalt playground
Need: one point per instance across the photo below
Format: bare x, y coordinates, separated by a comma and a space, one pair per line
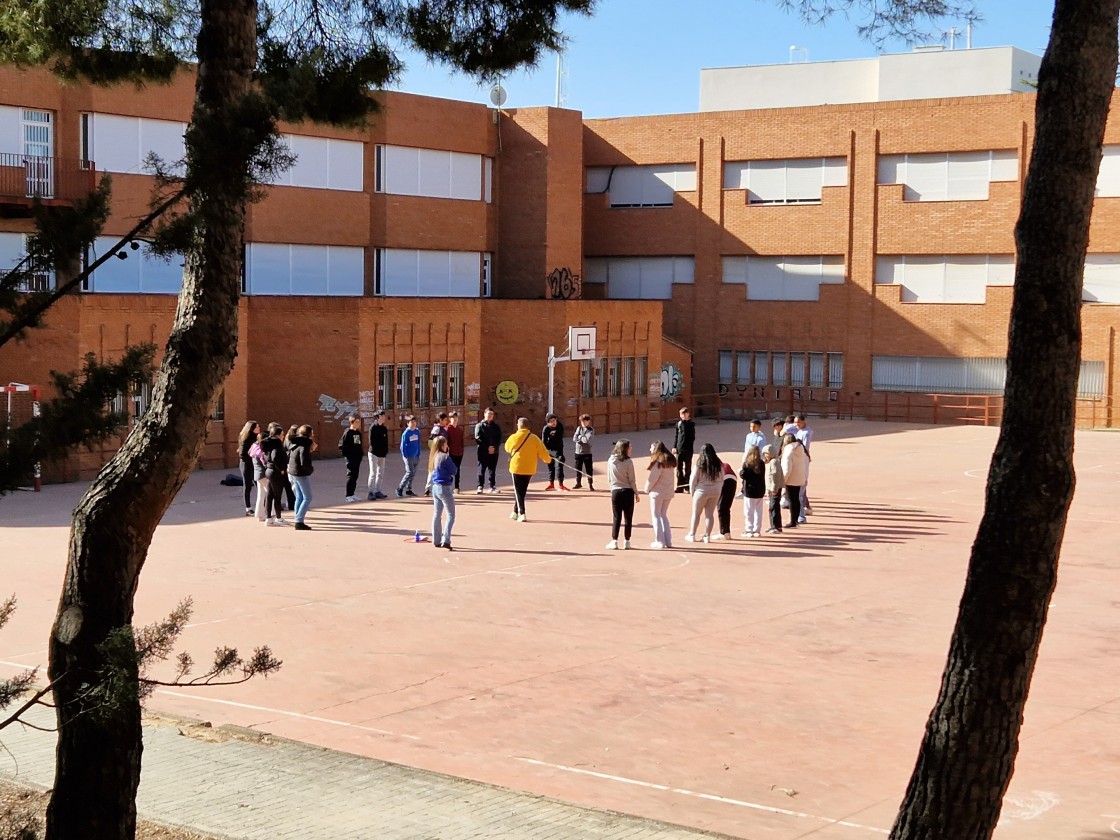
770, 689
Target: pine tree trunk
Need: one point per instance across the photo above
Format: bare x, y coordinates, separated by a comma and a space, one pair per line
972, 737
99, 747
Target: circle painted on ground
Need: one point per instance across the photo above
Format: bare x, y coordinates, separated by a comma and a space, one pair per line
506, 392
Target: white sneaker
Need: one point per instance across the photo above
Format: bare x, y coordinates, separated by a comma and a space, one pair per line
270, 522
513, 515
689, 538
626, 543
521, 517
656, 546
747, 534
612, 545
351, 498
705, 538
493, 489
478, 492
716, 537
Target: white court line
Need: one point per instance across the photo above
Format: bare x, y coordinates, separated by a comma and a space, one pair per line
708, 796
286, 714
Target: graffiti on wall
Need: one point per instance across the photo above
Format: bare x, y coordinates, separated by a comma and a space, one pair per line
337, 410
508, 392
563, 285
761, 392
672, 381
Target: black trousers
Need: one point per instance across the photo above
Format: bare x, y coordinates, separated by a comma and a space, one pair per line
275, 492
684, 471
726, 497
353, 467
556, 467
520, 488
584, 470
487, 464
794, 495
622, 506
776, 511
247, 477
458, 461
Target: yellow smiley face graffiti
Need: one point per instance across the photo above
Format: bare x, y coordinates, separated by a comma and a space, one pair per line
506, 392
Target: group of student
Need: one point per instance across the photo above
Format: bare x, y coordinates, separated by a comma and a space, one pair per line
777, 471
279, 464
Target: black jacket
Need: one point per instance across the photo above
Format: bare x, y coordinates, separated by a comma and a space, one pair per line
350, 445
686, 437
275, 457
754, 483
299, 456
379, 440
553, 439
488, 434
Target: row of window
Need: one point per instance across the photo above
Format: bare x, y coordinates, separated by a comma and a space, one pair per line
945, 375
793, 369
420, 385
614, 376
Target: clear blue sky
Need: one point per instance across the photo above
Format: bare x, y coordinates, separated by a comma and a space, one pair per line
644, 56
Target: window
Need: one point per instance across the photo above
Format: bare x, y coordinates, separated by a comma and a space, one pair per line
783, 278
413, 273
614, 376
439, 383
141, 399
38, 151
487, 262
278, 269
835, 370
642, 186
1102, 278
219, 412
816, 370
954, 176
641, 376
13, 250
795, 181
762, 368
403, 170
743, 367
123, 144
938, 374
956, 278
586, 376
455, 396
404, 386
780, 376
627, 376
601, 376
725, 359
797, 370
323, 163
640, 278
138, 271
423, 384
385, 386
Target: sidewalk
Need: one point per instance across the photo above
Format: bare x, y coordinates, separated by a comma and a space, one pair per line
244, 785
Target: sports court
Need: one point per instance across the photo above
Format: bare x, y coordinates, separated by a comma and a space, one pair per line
769, 688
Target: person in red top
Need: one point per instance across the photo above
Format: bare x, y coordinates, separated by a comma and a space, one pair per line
455, 444
726, 497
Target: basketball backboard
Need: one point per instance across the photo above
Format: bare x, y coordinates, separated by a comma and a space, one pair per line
581, 343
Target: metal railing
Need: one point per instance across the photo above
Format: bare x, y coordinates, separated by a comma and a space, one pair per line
33, 176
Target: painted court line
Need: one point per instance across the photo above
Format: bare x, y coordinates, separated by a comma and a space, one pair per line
785, 812
286, 713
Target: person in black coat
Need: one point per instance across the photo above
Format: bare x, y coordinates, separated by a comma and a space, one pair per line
683, 447
378, 452
350, 445
553, 438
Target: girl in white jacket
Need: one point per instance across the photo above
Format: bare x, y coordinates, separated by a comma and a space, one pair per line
795, 468
705, 485
660, 487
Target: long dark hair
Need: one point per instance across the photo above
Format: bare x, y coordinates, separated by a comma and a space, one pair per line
661, 456
247, 430
709, 464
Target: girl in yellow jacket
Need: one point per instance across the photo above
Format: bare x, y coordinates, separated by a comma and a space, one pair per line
524, 449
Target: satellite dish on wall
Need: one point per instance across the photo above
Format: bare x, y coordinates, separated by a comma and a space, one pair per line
498, 96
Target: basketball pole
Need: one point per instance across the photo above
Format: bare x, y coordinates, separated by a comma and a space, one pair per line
552, 360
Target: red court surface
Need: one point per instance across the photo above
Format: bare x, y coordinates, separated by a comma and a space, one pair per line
769, 688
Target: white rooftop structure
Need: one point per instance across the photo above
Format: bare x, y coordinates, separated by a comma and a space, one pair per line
924, 73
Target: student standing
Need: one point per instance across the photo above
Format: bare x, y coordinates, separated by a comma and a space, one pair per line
410, 454
439, 430
624, 492
705, 486
682, 448
775, 483
250, 434
755, 437
455, 444
378, 452
350, 445
488, 435
275, 459
795, 468
443, 471
552, 435
300, 446
754, 490
660, 486
524, 449
582, 441
726, 498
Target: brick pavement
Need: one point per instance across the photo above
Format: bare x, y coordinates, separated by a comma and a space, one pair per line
252, 787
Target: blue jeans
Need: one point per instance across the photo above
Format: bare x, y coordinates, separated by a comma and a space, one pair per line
301, 484
443, 498
410, 465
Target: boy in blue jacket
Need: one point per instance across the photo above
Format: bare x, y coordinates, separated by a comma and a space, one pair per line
410, 454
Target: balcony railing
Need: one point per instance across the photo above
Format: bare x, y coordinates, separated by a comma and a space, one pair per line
31, 176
